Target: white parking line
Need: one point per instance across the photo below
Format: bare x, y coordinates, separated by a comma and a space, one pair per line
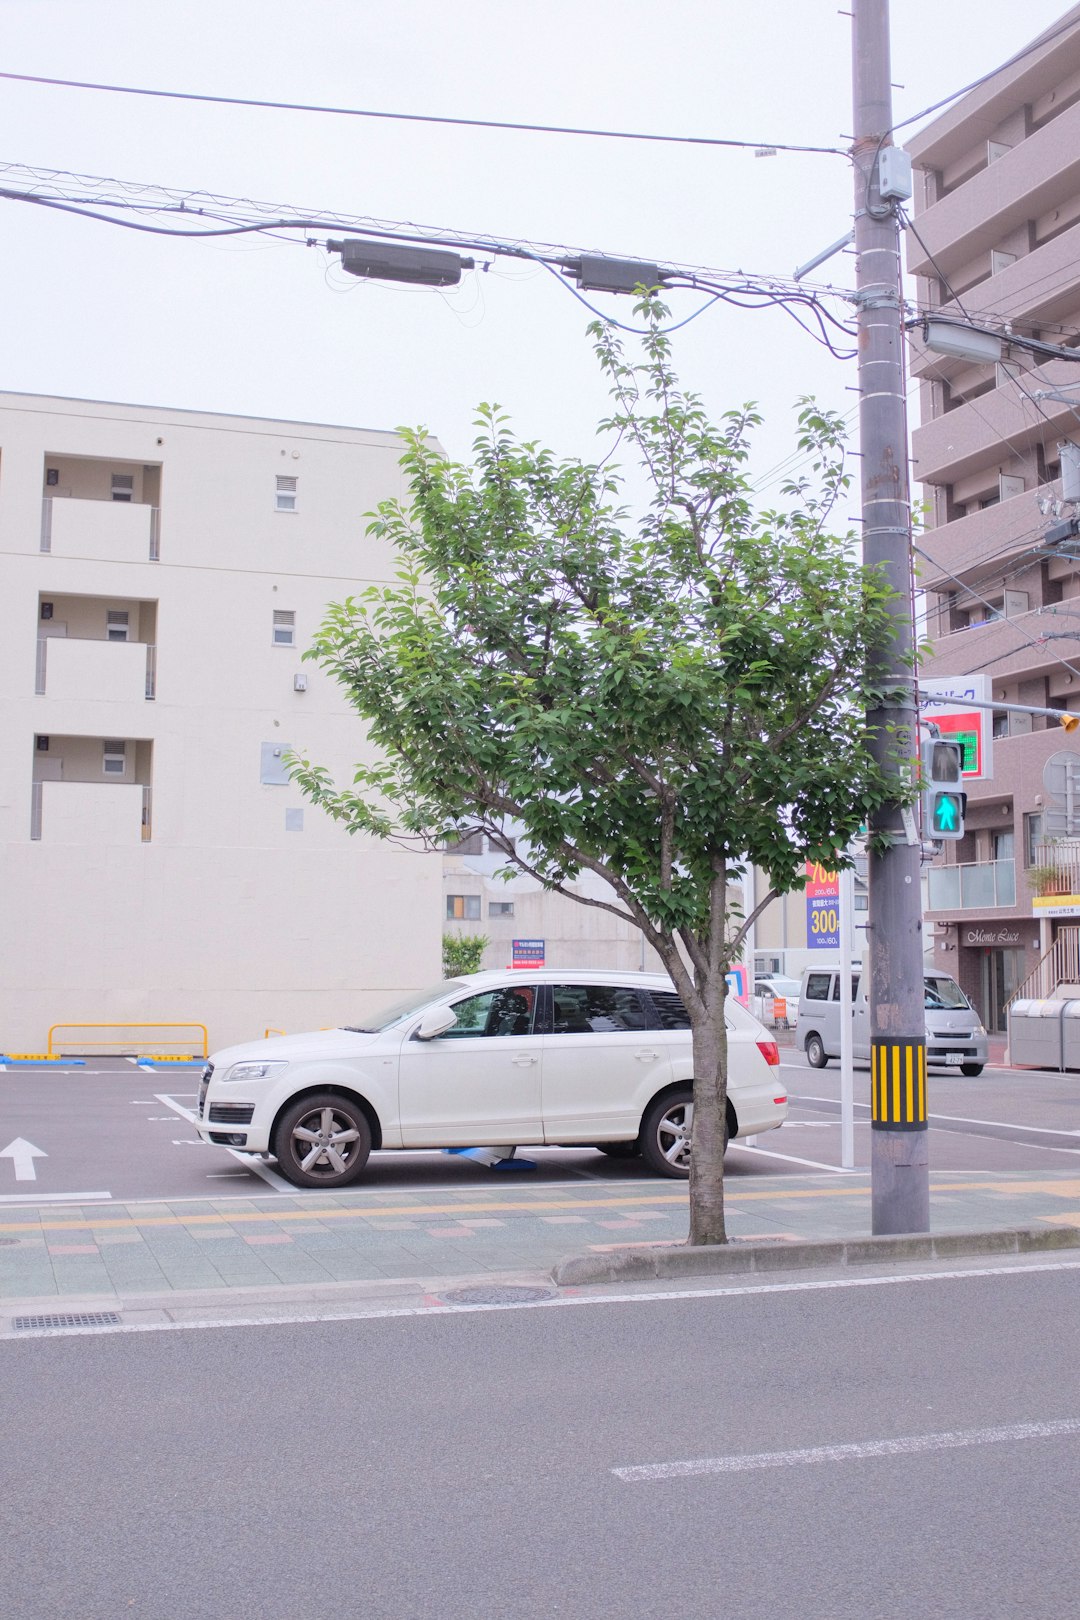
248, 1160
904, 1446
789, 1158
958, 1119
56, 1198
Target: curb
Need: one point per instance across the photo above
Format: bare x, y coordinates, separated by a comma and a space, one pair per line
682, 1260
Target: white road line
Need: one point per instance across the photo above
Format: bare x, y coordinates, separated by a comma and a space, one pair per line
558, 1302
905, 1446
789, 1158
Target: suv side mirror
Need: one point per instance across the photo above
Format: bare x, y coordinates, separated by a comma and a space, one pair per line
436, 1022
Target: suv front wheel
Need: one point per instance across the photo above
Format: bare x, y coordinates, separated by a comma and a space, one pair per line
322, 1141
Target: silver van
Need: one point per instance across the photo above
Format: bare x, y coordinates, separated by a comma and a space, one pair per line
954, 1036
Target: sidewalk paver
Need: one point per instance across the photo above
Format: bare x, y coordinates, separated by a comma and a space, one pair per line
49, 1250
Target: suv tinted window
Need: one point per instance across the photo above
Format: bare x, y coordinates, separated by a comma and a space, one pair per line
581, 1009
817, 986
670, 1010
508, 1011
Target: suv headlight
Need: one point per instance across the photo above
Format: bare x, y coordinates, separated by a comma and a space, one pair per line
253, 1071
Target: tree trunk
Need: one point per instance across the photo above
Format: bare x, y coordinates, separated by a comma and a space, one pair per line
710, 1113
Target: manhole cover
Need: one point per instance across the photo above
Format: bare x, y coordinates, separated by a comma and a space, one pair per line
25, 1324
495, 1296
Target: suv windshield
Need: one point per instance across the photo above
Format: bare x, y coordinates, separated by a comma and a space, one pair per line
941, 993
398, 1011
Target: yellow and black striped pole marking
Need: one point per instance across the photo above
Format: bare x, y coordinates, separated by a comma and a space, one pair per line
897, 1084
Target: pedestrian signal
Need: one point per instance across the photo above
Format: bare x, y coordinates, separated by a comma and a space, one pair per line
944, 801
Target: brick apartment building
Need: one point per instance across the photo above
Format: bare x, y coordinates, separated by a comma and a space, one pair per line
996, 243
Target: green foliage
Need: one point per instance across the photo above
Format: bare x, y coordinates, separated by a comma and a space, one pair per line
462, 953
653, 700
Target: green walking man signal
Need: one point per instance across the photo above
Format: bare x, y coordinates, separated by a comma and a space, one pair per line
944, 801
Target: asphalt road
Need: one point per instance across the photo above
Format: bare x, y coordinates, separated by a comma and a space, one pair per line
124, 1131
437, 1467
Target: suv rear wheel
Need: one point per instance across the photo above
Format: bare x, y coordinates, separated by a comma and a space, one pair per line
665, 1134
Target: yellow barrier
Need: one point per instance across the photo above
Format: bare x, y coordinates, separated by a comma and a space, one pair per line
121, 1048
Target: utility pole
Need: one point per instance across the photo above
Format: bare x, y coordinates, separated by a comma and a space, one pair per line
899, 1162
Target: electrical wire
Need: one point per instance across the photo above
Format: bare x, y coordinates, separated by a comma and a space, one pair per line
415, 118
1028, 50
738, 289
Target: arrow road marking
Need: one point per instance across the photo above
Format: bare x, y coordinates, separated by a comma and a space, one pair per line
22, 1154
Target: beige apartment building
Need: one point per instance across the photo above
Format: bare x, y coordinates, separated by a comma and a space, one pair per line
997, 217
164, 572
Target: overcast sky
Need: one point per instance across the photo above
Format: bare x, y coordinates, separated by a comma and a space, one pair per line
271, 329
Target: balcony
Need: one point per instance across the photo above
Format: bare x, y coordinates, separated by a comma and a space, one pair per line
114, 531
973, 886
97, 813
105, 671
1032, 177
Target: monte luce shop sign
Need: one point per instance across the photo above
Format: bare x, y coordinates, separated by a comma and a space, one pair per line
1000, 938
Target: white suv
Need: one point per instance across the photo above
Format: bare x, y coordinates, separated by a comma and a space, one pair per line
512, 1058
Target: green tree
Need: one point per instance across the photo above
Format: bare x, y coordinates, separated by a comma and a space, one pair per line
655, 700
462, 953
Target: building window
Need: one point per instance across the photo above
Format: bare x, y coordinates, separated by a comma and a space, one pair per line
41, 744
463, 908
113, 757
284, 629
116, 625
123, 486
286, 494
1033, 837
500, 908
472, 844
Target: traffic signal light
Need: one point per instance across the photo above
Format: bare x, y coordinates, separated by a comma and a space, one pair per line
944, 801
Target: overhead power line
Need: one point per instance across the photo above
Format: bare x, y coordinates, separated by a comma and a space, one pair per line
416, 118
114, 202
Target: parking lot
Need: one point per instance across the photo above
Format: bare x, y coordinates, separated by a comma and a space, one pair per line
118, 1130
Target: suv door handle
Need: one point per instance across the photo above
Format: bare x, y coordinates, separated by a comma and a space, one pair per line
646, 1056
523, 1059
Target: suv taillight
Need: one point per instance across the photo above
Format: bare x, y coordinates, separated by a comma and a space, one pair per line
770, 1052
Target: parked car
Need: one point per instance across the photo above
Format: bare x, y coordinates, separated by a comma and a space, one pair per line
494, 1058
954, 1036
783, 993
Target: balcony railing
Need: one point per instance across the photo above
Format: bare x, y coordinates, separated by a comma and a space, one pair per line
85, 668
972, 886
120, 531
1057, 867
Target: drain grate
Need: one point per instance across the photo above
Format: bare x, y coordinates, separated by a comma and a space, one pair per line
65, 1319
495, 1296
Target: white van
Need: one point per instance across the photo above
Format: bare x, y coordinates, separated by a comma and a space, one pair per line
954, 1036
